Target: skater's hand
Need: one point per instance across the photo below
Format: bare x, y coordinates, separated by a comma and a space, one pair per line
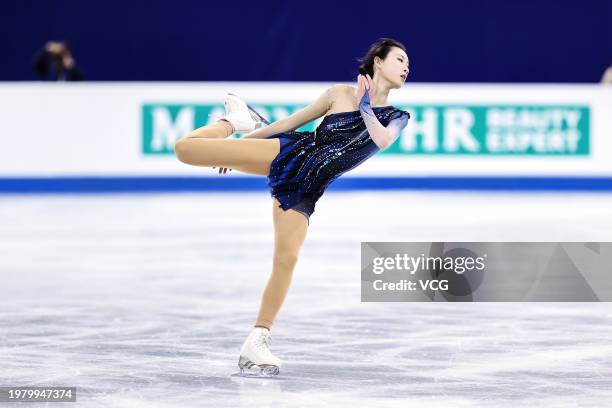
223, 170
364, 82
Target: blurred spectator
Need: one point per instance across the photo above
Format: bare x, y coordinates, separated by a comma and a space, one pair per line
606, 79
54, 62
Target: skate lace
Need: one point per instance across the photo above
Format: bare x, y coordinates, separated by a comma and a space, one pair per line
264, 342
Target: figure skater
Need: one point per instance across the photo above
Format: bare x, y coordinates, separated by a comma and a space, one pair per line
299, 166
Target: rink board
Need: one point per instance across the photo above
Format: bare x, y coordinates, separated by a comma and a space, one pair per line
120, 136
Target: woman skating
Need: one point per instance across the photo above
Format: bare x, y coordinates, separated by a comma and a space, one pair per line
358, 123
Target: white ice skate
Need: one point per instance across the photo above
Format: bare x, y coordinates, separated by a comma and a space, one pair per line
256, 352
243, 118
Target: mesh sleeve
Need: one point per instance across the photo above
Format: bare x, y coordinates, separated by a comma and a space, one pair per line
382, 136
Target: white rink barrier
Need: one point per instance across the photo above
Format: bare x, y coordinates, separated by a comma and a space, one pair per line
127, 130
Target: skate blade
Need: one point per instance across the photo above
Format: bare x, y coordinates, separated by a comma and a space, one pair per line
263, 121
250, 369
257, 372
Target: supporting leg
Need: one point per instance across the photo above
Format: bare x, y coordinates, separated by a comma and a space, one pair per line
289, 234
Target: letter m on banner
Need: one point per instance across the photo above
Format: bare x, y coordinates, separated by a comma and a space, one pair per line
163, 125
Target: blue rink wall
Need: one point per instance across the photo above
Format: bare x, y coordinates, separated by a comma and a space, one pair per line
85, 185
119, 137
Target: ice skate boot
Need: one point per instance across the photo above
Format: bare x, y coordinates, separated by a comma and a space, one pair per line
238, 114
255, 352
257, 117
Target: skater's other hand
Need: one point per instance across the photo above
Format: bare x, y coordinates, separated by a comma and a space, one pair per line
365, 82
223, 170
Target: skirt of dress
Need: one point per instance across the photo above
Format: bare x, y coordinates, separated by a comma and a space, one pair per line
289, 171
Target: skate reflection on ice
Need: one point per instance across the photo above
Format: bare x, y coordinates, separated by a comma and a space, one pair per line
264, 391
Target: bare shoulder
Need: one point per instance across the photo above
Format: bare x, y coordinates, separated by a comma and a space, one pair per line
342, 89
342, 97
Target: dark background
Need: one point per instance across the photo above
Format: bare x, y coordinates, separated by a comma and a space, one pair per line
447, 40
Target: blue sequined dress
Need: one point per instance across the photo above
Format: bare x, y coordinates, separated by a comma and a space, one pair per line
309, 161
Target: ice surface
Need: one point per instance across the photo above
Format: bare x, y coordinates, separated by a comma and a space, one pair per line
144, 300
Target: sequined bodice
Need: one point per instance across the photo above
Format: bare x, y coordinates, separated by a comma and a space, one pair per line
309, 161
350, 121
345, 133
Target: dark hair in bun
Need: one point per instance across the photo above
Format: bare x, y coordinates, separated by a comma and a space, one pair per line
379, 49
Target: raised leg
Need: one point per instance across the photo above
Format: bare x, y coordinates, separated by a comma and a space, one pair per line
208, 146
218, 130
289, 234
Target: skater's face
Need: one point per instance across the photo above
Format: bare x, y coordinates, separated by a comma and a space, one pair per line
394, 68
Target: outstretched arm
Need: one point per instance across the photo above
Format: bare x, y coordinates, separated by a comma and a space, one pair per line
297, 119
382, 136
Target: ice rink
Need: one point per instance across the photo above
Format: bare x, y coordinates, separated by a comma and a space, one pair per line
143, 300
